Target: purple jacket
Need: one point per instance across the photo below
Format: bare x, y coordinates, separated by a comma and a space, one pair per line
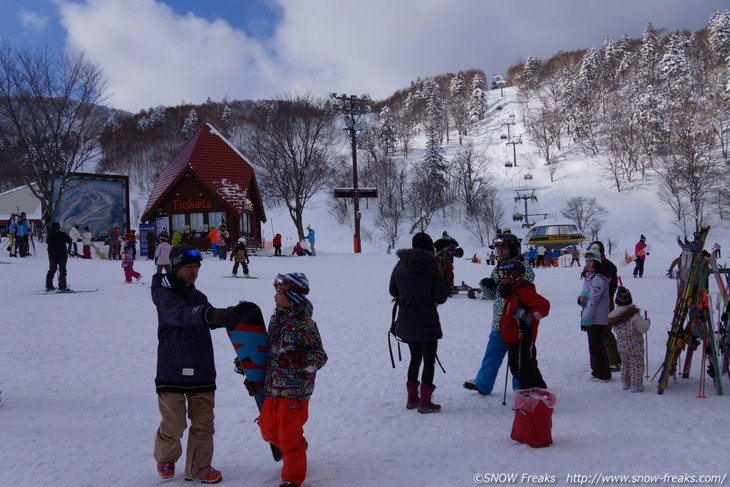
596, 288
185, 361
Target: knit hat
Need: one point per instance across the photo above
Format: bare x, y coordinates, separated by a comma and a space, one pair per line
642, 238
294, 286
422, 241
445, 234
623, 297
183, 254
593, 255
597, 245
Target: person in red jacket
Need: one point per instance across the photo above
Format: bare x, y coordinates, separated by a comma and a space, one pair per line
521, 315
277, 244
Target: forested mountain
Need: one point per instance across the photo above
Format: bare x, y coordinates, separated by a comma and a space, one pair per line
658, 106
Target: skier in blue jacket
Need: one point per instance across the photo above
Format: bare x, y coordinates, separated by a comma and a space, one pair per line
310, 237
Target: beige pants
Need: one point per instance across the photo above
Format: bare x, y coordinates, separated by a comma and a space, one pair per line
168, 448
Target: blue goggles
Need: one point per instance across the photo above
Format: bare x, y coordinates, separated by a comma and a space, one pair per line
191, 256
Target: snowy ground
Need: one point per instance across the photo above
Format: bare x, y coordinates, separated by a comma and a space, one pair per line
79, 408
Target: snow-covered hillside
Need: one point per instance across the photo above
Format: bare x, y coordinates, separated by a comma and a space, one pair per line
634, 211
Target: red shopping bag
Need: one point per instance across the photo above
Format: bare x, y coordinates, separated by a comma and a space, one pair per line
533, 417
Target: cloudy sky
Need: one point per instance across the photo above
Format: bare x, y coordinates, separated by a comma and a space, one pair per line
166, 52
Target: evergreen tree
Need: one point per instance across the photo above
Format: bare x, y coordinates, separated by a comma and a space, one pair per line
226, 122
459, 104
190, 125
719, 27
386, 132
648, 56
478, 100
674, 68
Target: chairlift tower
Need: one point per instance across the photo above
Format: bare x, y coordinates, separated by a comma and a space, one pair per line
513, 142
499, 81
526, 195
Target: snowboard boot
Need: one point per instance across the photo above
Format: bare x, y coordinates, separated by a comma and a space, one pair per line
412, 388
424, 404
213, 476
166, 470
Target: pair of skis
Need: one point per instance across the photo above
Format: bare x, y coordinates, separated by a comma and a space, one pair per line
678, 335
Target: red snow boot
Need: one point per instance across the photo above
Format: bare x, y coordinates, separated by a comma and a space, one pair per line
412, 388
424, 404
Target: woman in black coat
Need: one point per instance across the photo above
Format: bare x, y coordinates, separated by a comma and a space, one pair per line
418, 287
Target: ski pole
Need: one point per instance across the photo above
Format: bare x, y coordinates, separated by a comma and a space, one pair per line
506, 374
646, 340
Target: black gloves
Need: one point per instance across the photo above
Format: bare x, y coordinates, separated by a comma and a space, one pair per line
488, 283
221, 318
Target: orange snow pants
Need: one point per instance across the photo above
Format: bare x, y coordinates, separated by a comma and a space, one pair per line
282, 424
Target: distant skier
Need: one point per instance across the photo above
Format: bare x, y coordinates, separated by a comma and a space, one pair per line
128, 253
240, 254
641, 252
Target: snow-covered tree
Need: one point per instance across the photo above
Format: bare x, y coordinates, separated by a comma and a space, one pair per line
648, 56
386, 132
477, 101
719, 28
226, 122
674, 68
190, 125
458, 104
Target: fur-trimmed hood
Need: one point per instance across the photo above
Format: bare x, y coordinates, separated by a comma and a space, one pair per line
622, 314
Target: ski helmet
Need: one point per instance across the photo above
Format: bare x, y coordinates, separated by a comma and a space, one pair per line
509, 267
509, 240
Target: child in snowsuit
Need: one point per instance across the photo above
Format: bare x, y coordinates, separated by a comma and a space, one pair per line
295, 355
629, 326
521, 314
128, 253
240, 253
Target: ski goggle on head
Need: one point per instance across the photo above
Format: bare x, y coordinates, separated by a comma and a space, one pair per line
281, 283
190, 256
507, 270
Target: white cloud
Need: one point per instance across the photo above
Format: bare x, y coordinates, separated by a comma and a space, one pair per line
33, 20
153, 56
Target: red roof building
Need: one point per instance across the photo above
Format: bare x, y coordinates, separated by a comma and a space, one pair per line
208, 183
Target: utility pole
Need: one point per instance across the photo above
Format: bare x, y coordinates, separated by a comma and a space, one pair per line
352, 109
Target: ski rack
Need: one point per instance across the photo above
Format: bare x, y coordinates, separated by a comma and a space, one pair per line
693, 306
